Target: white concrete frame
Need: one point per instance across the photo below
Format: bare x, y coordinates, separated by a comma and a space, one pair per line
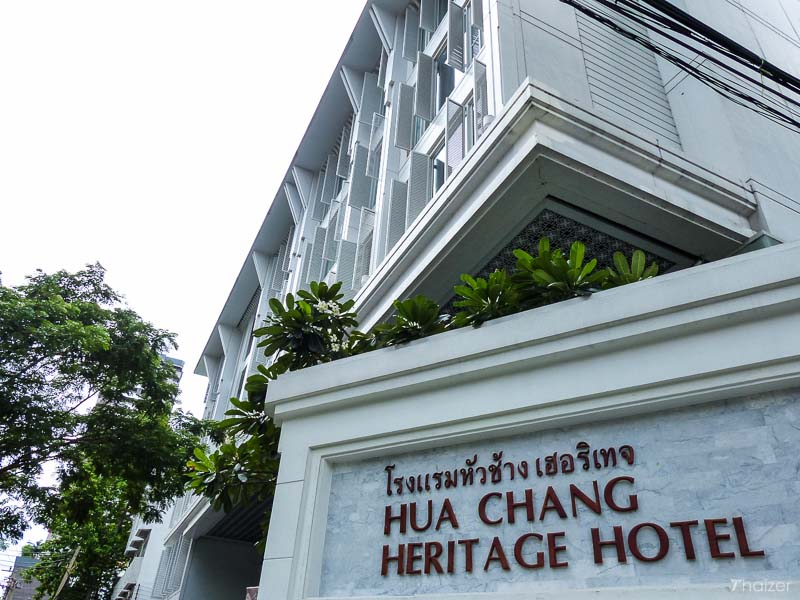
543, 145
728, 329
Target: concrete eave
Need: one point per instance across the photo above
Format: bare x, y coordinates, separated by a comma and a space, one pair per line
543, 146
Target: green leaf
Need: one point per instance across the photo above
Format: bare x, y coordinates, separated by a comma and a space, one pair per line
637, 264
544, 246
621, 263
576, 254
588, 268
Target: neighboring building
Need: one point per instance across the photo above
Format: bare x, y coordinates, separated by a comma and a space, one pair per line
16, 586
145, 544
450, 134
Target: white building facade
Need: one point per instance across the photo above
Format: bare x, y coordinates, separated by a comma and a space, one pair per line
637, 444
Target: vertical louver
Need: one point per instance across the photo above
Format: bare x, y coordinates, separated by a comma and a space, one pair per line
423, 106
318, 211
278, 273
350, 223
454, 135
384, 21
476, 32
382, 66
427, 15
287, 256
362, 268
176, 576
331, 245
476, 40
481, 99
477, 13
345, 266
329, 182
361, 184
366, 226
353, 81
305, 276
295, 204
624, 78
339, 225
343, 164
404, 111
398, 199
304, 182
371, 98
161, 573
455, 36
375, 139
411, 34
315, 261
418, 186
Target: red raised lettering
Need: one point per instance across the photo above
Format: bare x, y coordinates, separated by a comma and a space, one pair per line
715, 537
618, 542
482, 509
389, 517
686, 534
518, 549
527, 504
388, 558
554, 549
663, 542
608, 495
496, 553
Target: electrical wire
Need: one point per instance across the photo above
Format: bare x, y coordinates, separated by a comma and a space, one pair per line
764, 69
727, 83
729, 89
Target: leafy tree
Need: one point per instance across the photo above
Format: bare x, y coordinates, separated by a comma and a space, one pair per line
96, 541
319, 328
308, 329
84, 389
244, 469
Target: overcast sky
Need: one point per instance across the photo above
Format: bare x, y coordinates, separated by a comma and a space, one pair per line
151, 136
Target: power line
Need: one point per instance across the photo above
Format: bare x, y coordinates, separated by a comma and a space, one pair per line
718, 40
768, 105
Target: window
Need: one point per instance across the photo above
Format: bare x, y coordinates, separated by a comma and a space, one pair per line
420, 125
240, 381
423, 39
337, 186
373, 190
444, 79
441, 10
473, 35
146, 535
469, 125
327, 265
438, 166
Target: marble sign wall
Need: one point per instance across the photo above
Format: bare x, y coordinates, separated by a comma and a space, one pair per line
735, 461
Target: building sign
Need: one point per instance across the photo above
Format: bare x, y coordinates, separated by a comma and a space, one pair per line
727, 536
704, 495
